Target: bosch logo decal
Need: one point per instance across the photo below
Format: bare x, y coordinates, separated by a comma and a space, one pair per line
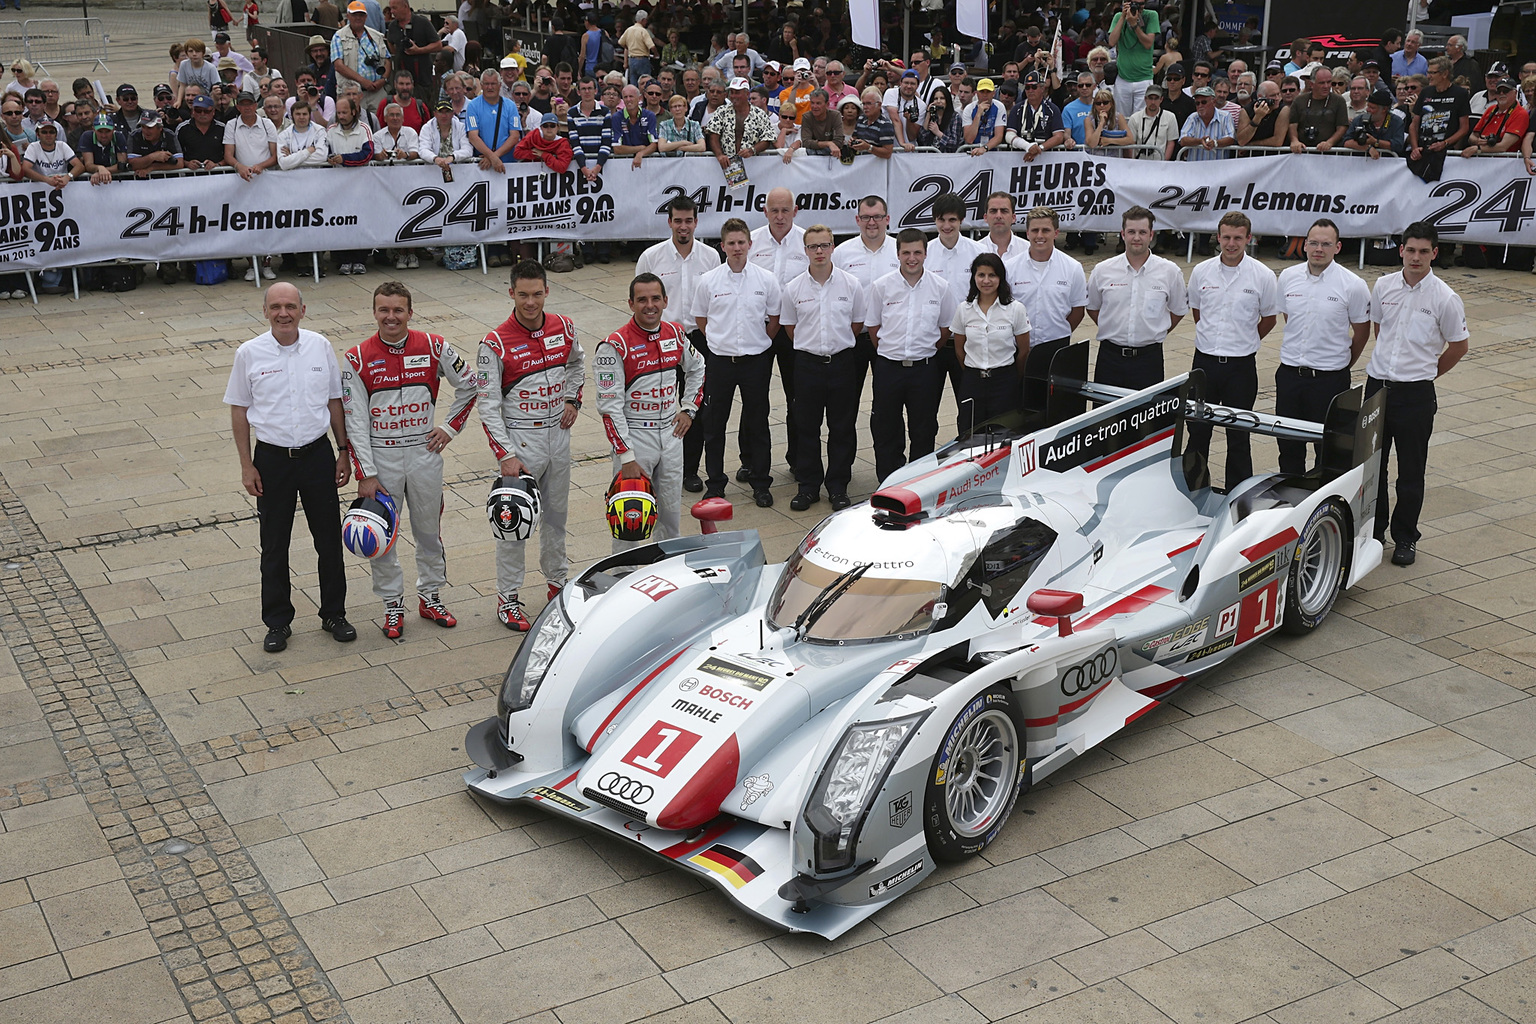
1097, 669
625, 788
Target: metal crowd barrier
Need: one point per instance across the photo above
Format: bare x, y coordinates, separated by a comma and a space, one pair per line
54, 41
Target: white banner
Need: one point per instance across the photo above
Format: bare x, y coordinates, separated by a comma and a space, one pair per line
971, 19
212, 216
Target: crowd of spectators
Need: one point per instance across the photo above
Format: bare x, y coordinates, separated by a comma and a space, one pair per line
388, 86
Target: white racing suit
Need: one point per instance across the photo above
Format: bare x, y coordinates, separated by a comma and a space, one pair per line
388, 394
638, 395
525, 380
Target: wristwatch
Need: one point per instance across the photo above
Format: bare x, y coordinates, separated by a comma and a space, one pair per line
574, 401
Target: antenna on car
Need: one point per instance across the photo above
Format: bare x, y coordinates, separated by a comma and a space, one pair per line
972, 403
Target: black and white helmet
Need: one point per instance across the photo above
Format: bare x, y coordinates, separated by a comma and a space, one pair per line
514, 507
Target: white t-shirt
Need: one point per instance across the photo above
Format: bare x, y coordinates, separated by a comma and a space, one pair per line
250, 140
456, 41
49, 163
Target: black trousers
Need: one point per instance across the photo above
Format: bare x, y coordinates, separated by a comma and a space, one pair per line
1124, 367
1233, 381
723, 376
311, 478
990, 392
784, 355
693, 441
950, 367
1410, 420
1304, 393
912, 388
828, 386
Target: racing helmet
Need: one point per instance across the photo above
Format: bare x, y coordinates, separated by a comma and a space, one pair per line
514, 507
631, 507
370, 526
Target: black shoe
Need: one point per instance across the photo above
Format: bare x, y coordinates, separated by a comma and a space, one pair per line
692, 484
1405, 553
743, 474
803, 501
277, 639
342, 631
839, 501
602, 257
764, 499
714, 492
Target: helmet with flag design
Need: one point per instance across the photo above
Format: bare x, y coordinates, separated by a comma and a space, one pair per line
370, 526
631, 507
514, 507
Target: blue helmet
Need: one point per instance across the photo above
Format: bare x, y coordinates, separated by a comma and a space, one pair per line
370, 526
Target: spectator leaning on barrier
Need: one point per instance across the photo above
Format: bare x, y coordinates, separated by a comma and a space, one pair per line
1208, 130
443, 139
1442, 120
1502, 125
492, 124
105, 153
875, 133
634, 129
740, 128
984, 119
302, 143
396, 140
1379, 131
1154, 126
677, 134
545, 145
1034, 124
201, 138
1320, 117
50, 160
1271, 119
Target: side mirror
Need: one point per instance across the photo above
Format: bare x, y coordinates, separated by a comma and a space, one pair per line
1058, 604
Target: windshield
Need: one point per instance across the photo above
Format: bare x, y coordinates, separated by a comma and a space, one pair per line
871, 608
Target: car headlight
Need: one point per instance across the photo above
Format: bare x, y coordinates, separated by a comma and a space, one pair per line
848, 785
528, 669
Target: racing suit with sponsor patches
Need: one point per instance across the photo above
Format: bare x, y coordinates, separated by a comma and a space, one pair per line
388, 393
525, 379
637, 393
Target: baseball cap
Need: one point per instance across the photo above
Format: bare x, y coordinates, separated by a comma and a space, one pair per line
444, 105
163, 90
357, 7
1034, 78
986, 85
957, 66
1173, 71
1498, 68
315, 41
1373, 64
773, 65
45, 122
802, 64
1309, 70
1381, 97
246, 97
1155, 90
202, 103
149, 119
909, 73
509, 62
104, 121
739, 85
127, 90
228, 64
221, 37
1205, 90
846, 100
898, 63
1506, 85
1274, 65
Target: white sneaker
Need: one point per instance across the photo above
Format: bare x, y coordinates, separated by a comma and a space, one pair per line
267, 272
412, 262
359, 268
402, 262
19, 294
345, 269
250, 275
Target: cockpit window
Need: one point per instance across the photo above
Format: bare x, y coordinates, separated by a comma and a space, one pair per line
867, 608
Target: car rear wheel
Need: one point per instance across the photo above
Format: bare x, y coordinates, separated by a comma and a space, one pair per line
1317, 568
976, 777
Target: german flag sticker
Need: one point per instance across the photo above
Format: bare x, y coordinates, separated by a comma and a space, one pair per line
732, 865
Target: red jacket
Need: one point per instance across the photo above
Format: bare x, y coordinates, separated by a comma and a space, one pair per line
534, 146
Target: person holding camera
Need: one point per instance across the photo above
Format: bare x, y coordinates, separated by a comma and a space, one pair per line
1133, 33
1320, 117
1378, 131
1502, 125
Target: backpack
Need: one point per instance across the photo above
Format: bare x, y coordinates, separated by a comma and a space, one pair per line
461, 257
605, 50
118, 277
210, 271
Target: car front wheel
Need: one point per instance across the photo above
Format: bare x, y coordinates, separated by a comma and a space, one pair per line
1317, 569
976, 777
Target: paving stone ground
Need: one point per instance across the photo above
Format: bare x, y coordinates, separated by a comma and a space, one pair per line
1334, 828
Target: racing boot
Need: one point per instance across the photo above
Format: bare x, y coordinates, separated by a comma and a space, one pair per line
432, 608
394, 620
554, 589
510, 611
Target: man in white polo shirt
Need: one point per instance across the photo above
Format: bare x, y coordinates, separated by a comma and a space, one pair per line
779, 248
1002, 213
823, 310
680, 261
1051, 284
736, 305
1327, 312
1135, 298
908, 314
1421, 332
1233, 299
250, 147
950, 255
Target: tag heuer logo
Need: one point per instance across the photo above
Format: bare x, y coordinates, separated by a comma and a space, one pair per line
901, 810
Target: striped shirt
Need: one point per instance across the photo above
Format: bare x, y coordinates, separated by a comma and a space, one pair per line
591, 134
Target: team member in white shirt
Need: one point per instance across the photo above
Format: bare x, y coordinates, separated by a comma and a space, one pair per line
286, 384
1327, 323
1421, 332
1002, 213
908, 314
680, 261
779, 248
736, 305
1050, 283
1233, 299
991, 332
1135, 298
823, 311
868, 258
950, 256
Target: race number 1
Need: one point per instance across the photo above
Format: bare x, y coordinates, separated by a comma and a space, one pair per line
661, 749
1257, 615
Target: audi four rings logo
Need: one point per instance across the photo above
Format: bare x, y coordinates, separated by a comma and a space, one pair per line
625, 788
1082, 678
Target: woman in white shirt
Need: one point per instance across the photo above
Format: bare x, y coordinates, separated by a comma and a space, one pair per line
991, 341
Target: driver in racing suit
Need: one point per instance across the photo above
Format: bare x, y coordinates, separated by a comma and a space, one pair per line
644, 414
388, 393
530, 371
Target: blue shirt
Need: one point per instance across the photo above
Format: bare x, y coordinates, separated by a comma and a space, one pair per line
1401, 65
594, 47
642, 131
481, 116
1073, 116
1220, 127
375, 18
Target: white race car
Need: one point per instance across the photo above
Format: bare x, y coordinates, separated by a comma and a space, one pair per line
815, 736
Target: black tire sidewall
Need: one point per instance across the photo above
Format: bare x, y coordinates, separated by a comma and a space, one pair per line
945, 843
1296, 621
